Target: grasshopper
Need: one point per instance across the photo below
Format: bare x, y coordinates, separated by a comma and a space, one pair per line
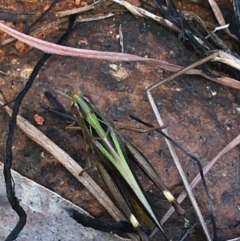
115, 166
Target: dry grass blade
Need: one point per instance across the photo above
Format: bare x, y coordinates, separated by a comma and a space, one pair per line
235, 239
221, 57
179, 167
143, 13
182, 71
206, 169
62, 14
228, 59
113, 56
171, 149
217, 12
38, 29
76, 10
62, 50
81, 20
219, 17
131, 8
69, 164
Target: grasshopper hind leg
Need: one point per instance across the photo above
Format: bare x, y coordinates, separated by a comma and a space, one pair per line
86, 169
89, 166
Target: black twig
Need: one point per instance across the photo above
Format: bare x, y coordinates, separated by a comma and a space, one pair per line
42, 16
10, 190
87, 221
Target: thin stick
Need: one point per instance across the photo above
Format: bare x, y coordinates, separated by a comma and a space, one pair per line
76, 10
184, 70
179, 167
220, 17
206, 169
82, 20
171, 149
140, 12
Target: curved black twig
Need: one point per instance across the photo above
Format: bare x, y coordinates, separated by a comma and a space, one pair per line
10, 190
87, 221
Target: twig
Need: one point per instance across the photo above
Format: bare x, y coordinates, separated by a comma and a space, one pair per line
45, 13
235, 239
46, 26
10, 188
206, 169
76, 10
15, 16
220, 18
81, 20
179, 167
143, 13
188, 231
121, 38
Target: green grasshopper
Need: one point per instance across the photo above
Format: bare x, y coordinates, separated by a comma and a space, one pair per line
115, 166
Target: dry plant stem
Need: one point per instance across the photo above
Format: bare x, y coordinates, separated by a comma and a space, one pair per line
235, 239
70, 165
143, 13
179, 167
38, 29
81, 20
228, 59
217, 12
220, 17
206, 169
188, 231
171, 149
57, 22
76, 10
63, 50
121, 38
113, 56
61, 20
184, 70
225, 58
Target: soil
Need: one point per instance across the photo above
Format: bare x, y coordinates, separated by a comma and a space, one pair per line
200, 115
